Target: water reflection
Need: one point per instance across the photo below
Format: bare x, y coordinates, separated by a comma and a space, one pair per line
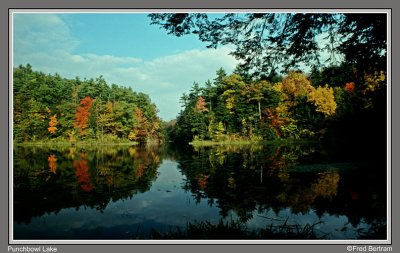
78, 177
246, 178
256, 179
52, 163
257, 185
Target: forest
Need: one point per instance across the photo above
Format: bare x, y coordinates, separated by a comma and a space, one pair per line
48, 107
300, 76
232, 107
324, 105
268, 97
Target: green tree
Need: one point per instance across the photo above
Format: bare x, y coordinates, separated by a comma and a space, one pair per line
37, 96
255, 92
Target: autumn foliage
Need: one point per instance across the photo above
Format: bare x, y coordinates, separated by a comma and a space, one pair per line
295, 85
82, 114
200, 105
350, 87
52, 124
276, 120
141, 127
324, 100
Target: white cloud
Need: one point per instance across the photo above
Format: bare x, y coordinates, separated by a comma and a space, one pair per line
45, 42
33, 32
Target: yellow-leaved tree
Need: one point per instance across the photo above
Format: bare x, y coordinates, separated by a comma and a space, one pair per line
324, 100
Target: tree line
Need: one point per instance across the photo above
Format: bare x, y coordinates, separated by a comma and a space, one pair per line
297, 105
341, 99
50, 107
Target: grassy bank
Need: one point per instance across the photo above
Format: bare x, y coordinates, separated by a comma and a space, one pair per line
237, 230
204, 143
198, 143
232, 230
76, 143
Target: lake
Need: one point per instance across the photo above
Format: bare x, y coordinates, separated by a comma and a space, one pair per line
261, 191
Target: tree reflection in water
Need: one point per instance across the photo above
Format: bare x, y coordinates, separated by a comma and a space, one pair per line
84, 177
248, 181
245, 179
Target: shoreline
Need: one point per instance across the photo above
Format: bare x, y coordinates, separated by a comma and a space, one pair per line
73, 144
205, 143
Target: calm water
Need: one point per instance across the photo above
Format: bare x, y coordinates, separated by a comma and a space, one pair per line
127, 192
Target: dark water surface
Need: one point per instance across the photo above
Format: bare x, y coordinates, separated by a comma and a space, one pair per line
116, 192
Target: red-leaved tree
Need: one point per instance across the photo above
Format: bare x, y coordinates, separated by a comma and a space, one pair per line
82, 115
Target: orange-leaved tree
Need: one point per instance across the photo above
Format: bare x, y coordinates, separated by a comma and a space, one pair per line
52, 124
200, 105
82, 115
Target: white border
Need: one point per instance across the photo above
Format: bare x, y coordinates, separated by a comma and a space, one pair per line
206, 242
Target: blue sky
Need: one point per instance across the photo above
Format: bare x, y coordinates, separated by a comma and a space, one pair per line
124, 48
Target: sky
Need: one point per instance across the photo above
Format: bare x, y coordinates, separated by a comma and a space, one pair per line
123, 48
